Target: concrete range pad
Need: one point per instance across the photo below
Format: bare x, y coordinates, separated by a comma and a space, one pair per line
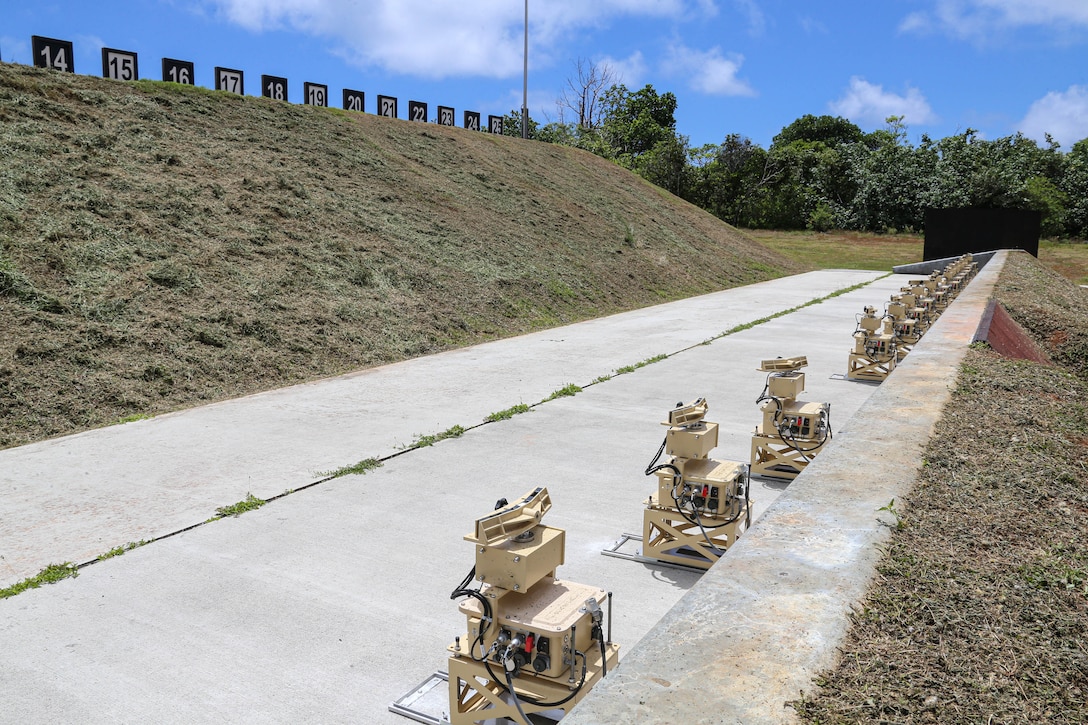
328, 604
74, 498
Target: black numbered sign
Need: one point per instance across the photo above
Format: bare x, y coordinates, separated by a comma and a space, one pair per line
230, 80
417, 111
120, 65
354, 100
178, 71
315, 94
274, 87
445, 116
52, 53
387, 106
494, 124
472, 120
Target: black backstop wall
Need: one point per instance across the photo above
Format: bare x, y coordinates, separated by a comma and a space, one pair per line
953, 232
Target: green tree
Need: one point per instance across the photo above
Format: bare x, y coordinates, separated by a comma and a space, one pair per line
828, 130
1074, 184
634, 123
892, 180
719, 176
666, 164
1044, 196
511, 125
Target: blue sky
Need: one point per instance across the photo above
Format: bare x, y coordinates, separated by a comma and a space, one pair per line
736, 66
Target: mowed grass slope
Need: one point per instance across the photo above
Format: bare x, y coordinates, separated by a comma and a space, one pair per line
163, 246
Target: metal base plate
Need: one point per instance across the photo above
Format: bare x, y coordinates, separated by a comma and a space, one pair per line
425, 699
616, 550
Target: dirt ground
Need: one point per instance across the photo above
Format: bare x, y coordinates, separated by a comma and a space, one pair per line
980, 611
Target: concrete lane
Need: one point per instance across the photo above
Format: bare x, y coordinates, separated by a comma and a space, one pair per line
74, 498
326, 605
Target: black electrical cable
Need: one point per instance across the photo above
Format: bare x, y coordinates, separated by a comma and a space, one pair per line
604, 657
513, 694
533, 700
650, 468
462, 590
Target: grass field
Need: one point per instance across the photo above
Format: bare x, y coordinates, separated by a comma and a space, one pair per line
858, 250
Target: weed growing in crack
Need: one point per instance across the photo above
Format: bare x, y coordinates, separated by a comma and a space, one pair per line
564, 392
250, 503
49, 575
119, 550
508, 413
360, 468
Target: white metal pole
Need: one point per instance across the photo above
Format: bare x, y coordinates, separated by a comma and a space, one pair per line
525, 80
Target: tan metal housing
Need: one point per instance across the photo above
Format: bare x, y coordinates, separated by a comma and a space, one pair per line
700, 506
530, 636
792, 431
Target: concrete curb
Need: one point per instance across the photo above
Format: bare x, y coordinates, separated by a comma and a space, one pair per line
924, 268
753, 632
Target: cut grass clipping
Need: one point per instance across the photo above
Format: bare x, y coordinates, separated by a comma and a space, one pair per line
508, 413
360, 468
250, 503
49, 575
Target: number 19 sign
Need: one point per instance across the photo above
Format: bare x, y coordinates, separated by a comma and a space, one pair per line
315, 94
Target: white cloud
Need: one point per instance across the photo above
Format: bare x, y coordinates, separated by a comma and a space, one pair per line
629, 71
708, 71
867, 103
756, 21
979, 19
443, 39
1063, 115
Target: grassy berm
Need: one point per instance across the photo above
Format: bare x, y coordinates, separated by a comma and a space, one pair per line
163, 246
980, 612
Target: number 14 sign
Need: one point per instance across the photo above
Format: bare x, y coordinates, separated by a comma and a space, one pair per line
52, 53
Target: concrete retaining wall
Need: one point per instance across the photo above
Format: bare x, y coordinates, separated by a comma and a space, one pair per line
768, 617
924, 268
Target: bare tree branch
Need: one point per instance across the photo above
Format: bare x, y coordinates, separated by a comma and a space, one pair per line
583, 92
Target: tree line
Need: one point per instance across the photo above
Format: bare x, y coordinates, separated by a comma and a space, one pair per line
820, 172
